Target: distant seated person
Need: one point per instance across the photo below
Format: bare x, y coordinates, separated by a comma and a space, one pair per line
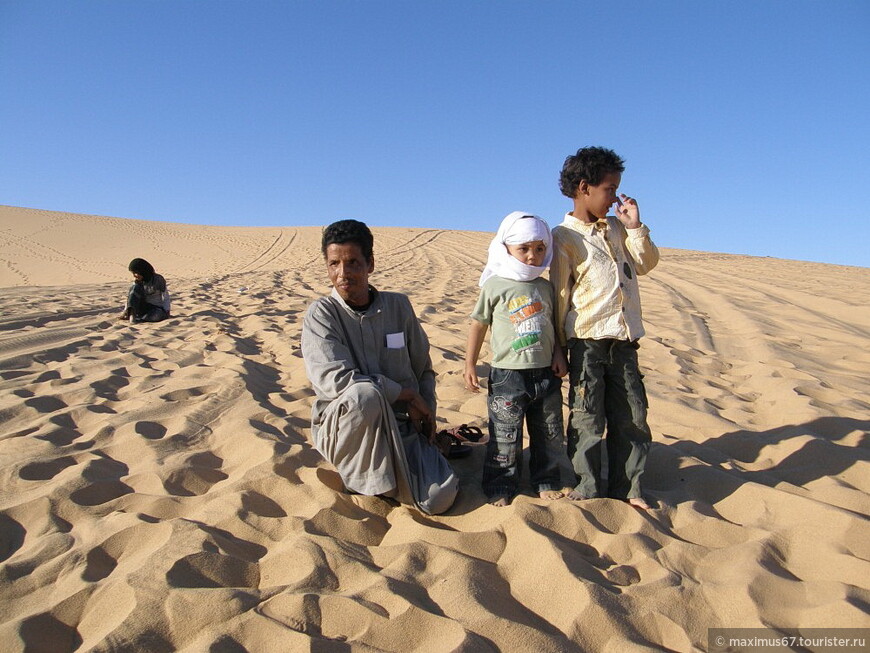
367, 358
148, 299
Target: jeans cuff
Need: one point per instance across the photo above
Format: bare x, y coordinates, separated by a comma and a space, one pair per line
500, 491
587, 494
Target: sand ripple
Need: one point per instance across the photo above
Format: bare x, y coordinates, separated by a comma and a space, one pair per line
158, 489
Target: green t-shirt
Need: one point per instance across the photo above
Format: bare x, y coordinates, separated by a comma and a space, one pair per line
520, 315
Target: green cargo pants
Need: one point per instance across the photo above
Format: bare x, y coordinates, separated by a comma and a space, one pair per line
608, 403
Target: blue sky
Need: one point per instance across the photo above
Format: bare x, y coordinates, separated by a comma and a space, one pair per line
744, 125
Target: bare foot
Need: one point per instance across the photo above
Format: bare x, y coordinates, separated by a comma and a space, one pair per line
572, 494
500, 501
550, 494
124, 316
639, 503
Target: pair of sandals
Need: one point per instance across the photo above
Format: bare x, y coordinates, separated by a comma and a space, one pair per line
458, 441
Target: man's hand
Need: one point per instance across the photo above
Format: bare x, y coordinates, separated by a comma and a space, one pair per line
420, 413
422, 417
627, 211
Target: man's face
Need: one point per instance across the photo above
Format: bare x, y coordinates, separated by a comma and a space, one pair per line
600, 198
349, 272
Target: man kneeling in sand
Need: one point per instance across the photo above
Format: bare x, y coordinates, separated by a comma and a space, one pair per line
367, 358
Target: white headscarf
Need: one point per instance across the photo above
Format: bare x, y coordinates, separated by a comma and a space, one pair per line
517, 228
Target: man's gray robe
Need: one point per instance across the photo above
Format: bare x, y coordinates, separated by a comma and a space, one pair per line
358, 364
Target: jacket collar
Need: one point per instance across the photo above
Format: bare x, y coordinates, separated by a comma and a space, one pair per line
601, 225
374, 307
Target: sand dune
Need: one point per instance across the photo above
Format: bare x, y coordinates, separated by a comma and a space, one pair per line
158, 490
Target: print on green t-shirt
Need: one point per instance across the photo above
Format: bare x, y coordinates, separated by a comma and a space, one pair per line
525, 314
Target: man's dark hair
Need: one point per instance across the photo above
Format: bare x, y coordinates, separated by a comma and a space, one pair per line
591, 164
348, 231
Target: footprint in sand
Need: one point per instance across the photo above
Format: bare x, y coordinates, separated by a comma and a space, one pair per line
99, 564
150, 430
260, 505
213, 569
108, 388
45, 404
45, 632
100, 492
128, 548
187, 393
12, 536
200, 472
45, 470
105, 474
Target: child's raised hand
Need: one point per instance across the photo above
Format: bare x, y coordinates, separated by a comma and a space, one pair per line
627, 211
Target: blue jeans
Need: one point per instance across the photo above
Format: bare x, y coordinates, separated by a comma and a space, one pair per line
535, 395
607, 395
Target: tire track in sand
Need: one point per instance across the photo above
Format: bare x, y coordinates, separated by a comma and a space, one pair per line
274, 251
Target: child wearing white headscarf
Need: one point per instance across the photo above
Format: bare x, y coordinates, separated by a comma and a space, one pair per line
517, 228
527, 362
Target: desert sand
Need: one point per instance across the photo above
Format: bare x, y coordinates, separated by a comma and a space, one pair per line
159, 490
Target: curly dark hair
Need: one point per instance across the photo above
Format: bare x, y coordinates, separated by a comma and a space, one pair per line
348, 231
591, 164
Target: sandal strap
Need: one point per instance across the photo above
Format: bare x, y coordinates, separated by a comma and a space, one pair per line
466, 433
